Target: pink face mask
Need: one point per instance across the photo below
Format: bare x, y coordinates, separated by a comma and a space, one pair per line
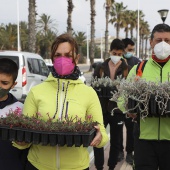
63, 65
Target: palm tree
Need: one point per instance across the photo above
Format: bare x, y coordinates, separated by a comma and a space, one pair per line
144, 30
31, 25
132, 22
92, 41
117, 14
44, 42
69, 20
108, 4
24, 35
8, 36
46, 34
126, 19
80, 39
45, 23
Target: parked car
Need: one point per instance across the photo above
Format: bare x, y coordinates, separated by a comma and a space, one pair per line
32, 71
81, 77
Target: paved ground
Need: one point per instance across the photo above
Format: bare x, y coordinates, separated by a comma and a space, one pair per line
123, 165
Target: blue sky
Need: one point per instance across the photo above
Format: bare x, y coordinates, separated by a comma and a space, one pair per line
57, 9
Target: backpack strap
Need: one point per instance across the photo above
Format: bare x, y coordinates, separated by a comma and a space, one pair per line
140, 68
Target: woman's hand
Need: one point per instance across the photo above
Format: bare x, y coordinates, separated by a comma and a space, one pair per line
21, 143
97, 139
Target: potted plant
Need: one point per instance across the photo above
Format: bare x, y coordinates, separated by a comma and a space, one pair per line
104, 86
69, 131
144, 97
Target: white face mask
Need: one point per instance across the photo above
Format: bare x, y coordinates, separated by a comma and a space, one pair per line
115, 59
162, 50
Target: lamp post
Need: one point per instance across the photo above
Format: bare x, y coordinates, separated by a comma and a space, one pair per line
18, 28
163, 13
101, 45
87, 44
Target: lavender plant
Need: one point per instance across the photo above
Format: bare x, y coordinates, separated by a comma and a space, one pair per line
142, 91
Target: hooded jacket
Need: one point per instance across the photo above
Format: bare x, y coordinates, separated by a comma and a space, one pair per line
154, 128
11, 157
51, 97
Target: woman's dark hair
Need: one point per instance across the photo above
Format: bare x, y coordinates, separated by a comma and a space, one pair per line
160, 28
61, 39
117, 44
9, 67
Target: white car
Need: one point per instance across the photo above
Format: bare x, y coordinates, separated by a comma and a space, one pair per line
81, 77
32, 70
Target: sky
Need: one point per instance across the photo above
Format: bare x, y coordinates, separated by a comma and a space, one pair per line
57, 10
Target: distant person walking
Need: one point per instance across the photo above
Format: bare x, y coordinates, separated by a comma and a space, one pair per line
131, 60
113, 67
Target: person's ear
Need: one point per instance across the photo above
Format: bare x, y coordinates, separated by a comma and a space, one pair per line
14, 85
77, 58
151, 44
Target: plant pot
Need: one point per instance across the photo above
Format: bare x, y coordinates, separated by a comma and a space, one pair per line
168, 108
131, 105
20, 135
53, 138
98, 91
70, 140
88, 137
77, 140
105, 92
61, 139
36, 137
4, 133
12, 134
28, 136
152, 106
44, 138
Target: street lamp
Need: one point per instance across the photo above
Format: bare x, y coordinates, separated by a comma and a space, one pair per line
163, 13
101, 45
87, 44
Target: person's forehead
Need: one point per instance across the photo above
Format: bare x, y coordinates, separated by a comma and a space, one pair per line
161, 35
6, 77
130, 46
64, 47
117, 50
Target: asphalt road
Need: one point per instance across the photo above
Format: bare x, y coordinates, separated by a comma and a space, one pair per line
85, 69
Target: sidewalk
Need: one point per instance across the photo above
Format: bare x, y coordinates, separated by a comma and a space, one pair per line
123, 165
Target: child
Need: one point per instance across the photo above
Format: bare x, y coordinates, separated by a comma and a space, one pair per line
10, 157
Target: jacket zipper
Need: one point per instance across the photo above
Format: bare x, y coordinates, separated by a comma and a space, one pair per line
58, 161
59, 116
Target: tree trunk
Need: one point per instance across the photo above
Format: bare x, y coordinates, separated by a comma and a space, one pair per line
92, 44
31, 26
106, 54
146, 43
69, 20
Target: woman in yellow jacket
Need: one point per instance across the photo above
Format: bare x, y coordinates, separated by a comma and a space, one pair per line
61, 87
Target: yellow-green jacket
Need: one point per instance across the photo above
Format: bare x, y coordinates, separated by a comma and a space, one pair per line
44, 99
154, 128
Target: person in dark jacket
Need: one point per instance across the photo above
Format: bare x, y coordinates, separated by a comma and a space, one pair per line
10, 157
131, 60
112, 67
